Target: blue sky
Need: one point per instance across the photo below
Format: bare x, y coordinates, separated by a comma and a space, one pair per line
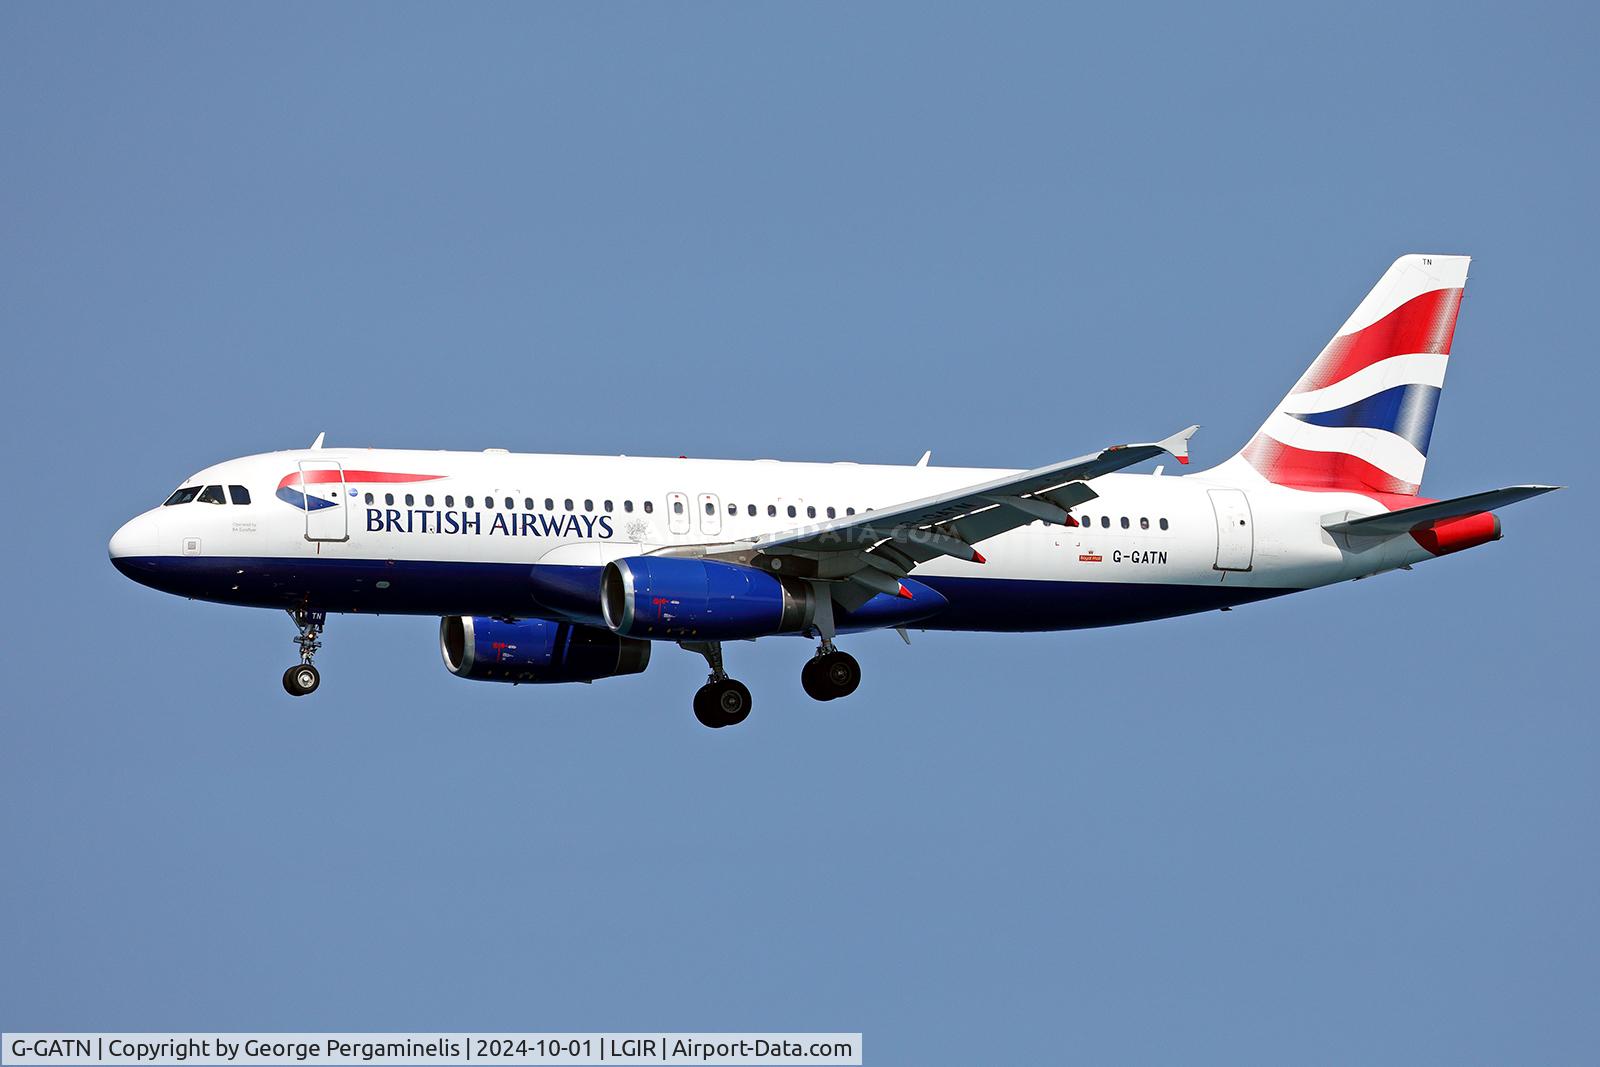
1357, 825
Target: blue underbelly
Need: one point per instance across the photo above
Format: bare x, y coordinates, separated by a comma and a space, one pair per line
416, 587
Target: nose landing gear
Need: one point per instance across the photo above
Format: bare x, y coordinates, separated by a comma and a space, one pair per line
303, 679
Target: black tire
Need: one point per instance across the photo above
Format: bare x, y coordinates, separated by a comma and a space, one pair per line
705, 707
840, 674
813, 681
732, 702
301, 680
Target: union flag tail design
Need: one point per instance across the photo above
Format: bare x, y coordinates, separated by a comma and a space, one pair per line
1360, 417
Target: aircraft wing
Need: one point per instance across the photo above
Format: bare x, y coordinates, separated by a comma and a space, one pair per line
877, 547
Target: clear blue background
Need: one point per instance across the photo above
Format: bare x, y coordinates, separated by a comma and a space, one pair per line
1357, 825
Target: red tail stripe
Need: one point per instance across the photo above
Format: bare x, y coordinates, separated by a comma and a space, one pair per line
1284, 464
1425, 323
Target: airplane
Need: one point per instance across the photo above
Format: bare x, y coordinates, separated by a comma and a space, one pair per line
557, 568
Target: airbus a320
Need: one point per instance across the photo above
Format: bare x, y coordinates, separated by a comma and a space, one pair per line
556, 568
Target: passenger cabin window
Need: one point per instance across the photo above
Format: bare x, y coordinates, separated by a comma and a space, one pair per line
388, 499
369, 498
511, 505
607, 506
468, 501
527, 504
212, 494
849, 511
1163, 524
772, 511
239, 493
830, 513
1124, 522
549, 503
1105, 522
791, 511
182, 496
627, 505
411, 501
649, 507
588, 505
733, 509
449, 501
568, 503
1144, 524
428, 500
750, 509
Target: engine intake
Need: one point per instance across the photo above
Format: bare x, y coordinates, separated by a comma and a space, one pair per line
536, 650
665, 597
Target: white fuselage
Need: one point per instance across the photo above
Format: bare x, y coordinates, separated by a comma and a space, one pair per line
520, 510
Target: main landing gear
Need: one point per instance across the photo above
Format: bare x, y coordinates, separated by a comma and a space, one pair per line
303, 679
830, 674
722, 701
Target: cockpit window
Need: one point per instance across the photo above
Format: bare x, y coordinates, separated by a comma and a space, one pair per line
240, 494
212, 494
182, 496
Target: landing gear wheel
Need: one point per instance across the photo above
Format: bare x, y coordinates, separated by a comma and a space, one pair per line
722, 703
811, 680
830, 676
705, 708
301, 680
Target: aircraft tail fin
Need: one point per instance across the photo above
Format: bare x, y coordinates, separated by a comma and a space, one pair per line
1361, 416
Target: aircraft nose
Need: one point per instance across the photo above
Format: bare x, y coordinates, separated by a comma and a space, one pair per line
137, 537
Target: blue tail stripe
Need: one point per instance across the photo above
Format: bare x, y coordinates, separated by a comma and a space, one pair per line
1406, 411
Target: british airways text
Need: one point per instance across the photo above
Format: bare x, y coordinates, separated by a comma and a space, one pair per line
514, 524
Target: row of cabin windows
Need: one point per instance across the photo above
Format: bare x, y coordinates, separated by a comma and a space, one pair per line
528, 503
772, 510
213, 494
1105, 522
209, 494
608, 506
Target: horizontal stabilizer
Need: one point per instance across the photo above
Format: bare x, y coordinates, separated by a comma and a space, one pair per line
1407, 519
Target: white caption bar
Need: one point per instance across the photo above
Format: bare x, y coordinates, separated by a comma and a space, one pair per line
511, 1049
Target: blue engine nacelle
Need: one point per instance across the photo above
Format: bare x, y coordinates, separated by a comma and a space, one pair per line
536, 650
666, 597
669, 597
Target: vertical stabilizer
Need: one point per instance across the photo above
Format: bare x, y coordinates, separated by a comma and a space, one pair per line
1361, 416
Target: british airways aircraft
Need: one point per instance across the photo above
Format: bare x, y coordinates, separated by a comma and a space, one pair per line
552, 568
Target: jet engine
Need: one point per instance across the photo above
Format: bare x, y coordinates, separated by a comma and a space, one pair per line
673, 598
536, 650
